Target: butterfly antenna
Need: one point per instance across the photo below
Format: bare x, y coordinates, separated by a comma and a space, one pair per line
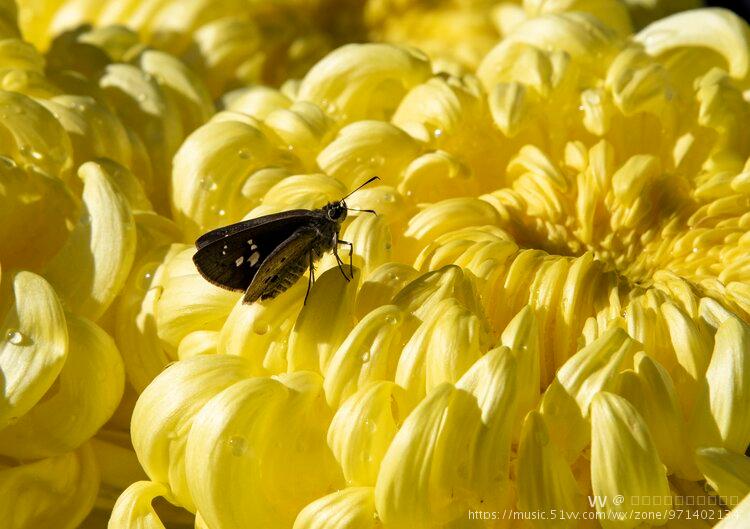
361, 186
364, 211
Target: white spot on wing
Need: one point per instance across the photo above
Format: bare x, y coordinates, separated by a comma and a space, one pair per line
250, 242
239, 261
254, 258
254, 247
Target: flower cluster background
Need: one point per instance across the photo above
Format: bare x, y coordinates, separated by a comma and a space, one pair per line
552, 304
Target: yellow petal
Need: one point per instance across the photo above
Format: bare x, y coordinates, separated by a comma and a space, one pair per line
118, 466
212, 166
369, 353
435, 176
651, 392
493, 382
54, 492
545, 481
143, 106
264, 435
33, 136
624, 462
565, 404
260, 331
188, 302
93, 129
34, 346
728, 473
324, 321
381, 284
719, 30
197, 343
135, 324
521, 336
160, 425
360, 81
450, 339
39, 206
350, 508
92, 267
422, 294
692, 347
443, 217
357, 153
75, 411
179, 83
721, 411
134, 509
363, 428
737, 517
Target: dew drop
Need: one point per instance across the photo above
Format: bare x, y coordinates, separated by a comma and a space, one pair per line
146, 275
244, 154
437, 133
392, 276
208, 184
260, 327
391, 319
238, 445
376, 161
389, 197
15, 336
365, 357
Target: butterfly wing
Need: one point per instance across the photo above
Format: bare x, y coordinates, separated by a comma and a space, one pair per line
292, 218
229, 257
284, 266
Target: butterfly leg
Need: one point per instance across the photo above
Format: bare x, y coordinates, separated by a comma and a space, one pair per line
351, 251
336, 243
310, 277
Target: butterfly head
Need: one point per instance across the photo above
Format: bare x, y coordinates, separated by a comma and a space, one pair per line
336, 211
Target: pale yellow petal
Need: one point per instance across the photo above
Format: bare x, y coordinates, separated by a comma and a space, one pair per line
34, 346
360, 81
727, 472
369, 353
565, 403
92, 267
719, 30
363, 428
75, 411
624, 462
722, 409
545, 481
161, 424
349, 508
324, 321
134, 510
265, 435
57, 492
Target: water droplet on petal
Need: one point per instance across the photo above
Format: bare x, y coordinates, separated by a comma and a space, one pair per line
15, 336
208, 184
365, 357
260, 327
238, 445
437, 133
245, 154
391, 318
146, 275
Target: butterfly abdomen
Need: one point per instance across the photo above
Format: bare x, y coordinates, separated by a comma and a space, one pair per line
284, 279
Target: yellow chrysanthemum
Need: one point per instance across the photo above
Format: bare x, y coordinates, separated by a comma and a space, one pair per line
549, 316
